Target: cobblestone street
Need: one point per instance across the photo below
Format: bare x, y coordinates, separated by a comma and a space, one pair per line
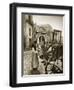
27, 59
27, 63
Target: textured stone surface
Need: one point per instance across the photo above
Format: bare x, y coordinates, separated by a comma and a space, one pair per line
27, 59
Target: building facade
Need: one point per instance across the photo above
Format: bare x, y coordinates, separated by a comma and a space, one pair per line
58, 36
27, 30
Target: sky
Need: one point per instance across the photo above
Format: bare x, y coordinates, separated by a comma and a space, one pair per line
55, 21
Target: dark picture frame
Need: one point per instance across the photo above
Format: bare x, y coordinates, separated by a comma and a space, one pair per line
13, 44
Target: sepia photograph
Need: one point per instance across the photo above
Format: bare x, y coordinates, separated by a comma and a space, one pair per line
42, 44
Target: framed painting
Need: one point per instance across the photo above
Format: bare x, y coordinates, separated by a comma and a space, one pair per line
40, 44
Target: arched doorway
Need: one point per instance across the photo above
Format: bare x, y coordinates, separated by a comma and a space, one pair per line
41, 40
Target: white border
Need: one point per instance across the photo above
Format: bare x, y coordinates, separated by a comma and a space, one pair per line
43, 78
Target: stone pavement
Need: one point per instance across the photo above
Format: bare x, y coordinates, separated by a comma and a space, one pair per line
27, 59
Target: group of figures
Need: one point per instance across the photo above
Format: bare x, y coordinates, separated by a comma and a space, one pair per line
47, 58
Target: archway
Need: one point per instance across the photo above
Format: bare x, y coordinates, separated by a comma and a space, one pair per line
41, 40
